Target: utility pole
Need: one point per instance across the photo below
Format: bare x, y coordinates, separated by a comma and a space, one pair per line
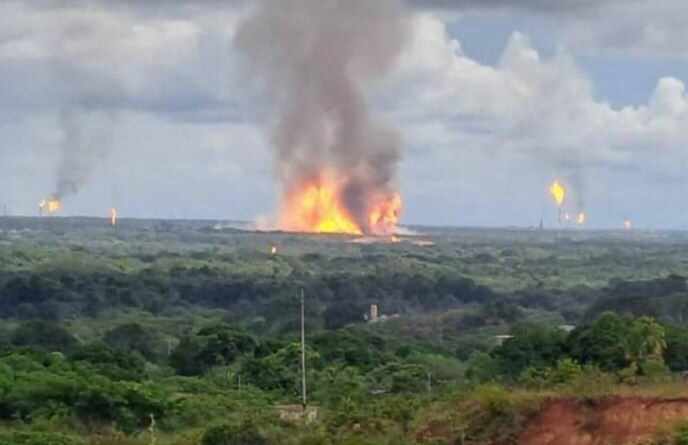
304, 400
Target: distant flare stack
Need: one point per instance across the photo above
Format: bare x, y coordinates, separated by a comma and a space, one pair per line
558, 192
50, 205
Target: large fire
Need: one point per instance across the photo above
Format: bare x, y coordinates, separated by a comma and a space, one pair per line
318, 207
51, 205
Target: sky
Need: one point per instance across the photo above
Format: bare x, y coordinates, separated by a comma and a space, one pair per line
494, 99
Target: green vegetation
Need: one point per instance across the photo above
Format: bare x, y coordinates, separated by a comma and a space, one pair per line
182, 333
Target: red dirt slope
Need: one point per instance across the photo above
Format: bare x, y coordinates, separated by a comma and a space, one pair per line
608, 421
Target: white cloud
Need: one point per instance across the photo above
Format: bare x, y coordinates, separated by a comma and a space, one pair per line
115, 56
650, 28
538, 107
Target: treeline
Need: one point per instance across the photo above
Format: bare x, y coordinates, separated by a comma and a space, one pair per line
54, 295
624, 347
71, 281
336, 298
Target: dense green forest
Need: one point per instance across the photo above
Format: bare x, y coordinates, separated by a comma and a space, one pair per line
187, 332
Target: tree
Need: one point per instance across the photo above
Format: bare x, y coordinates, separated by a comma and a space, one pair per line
603, 343
183, 358
44, 334
676, 354
614, 342
134, 337
117, 365
531, 345
279, 371
245, 434
335, 385
645, 344
339, 315
212, 346
481, 367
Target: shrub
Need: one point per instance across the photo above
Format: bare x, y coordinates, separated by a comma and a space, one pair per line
681, 436
566, 371
233, 435
31, 438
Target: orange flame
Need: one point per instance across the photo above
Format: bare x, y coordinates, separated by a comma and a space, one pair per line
51, 205
273, 250
113, 216
317, 206
384, 215
581, 218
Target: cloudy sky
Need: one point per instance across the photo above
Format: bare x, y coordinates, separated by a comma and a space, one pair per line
494, 99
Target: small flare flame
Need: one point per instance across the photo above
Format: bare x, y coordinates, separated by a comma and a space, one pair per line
567, 217
50, 205
628, 225
113, 217
581, 218
273, 251
558, 192
317, 206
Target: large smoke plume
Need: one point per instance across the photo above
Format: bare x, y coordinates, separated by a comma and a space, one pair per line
315, 59
87, 135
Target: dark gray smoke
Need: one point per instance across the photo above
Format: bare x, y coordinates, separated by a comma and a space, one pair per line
87, 137
315, 59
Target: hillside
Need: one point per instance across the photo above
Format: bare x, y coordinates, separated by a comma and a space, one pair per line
607, 421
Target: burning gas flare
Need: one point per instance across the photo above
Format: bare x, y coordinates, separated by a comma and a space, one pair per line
558, 192
113, 216
628, 225
273, 251
50, 205
581, 218
318, 207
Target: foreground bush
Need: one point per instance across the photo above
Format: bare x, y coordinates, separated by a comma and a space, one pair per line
233, 435
31, 438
